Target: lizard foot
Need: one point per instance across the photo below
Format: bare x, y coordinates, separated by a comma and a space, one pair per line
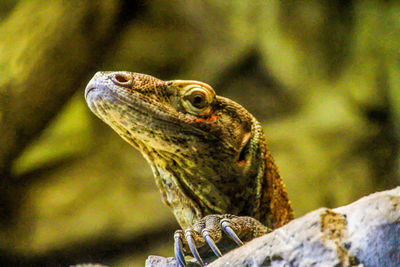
207, 232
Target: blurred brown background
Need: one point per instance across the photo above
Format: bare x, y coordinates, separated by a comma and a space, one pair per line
322, 77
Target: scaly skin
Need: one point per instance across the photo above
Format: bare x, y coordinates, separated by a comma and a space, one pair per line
207, 153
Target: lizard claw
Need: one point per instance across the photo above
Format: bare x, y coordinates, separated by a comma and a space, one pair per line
226, 227
178, 248
206, 233
192, 246
210, 242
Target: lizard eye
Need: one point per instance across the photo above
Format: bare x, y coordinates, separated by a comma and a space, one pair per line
197, 100
194, 97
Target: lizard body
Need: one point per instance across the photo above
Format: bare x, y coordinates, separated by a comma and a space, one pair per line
208, 155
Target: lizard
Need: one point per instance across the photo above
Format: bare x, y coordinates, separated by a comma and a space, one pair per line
208, 155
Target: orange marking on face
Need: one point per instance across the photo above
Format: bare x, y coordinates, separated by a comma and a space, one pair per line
212, 118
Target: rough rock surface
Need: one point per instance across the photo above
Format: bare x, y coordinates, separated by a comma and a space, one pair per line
364, 233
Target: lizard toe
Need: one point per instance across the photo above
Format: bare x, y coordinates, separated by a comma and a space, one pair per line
189, 234
210, 241
228, 227
178, 248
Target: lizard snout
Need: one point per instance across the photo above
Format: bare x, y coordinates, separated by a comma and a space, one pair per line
98, 81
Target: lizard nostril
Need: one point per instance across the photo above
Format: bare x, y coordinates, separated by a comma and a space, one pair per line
122, 79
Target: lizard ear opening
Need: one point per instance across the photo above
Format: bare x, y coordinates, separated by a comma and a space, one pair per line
243, 157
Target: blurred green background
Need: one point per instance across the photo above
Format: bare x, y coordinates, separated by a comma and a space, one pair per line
322, 77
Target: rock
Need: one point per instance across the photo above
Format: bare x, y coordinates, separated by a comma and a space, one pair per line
364, 233
153, 260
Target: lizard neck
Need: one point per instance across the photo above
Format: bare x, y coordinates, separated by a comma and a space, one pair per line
193, 188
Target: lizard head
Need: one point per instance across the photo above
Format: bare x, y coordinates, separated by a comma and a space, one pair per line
178, 116
182, 127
